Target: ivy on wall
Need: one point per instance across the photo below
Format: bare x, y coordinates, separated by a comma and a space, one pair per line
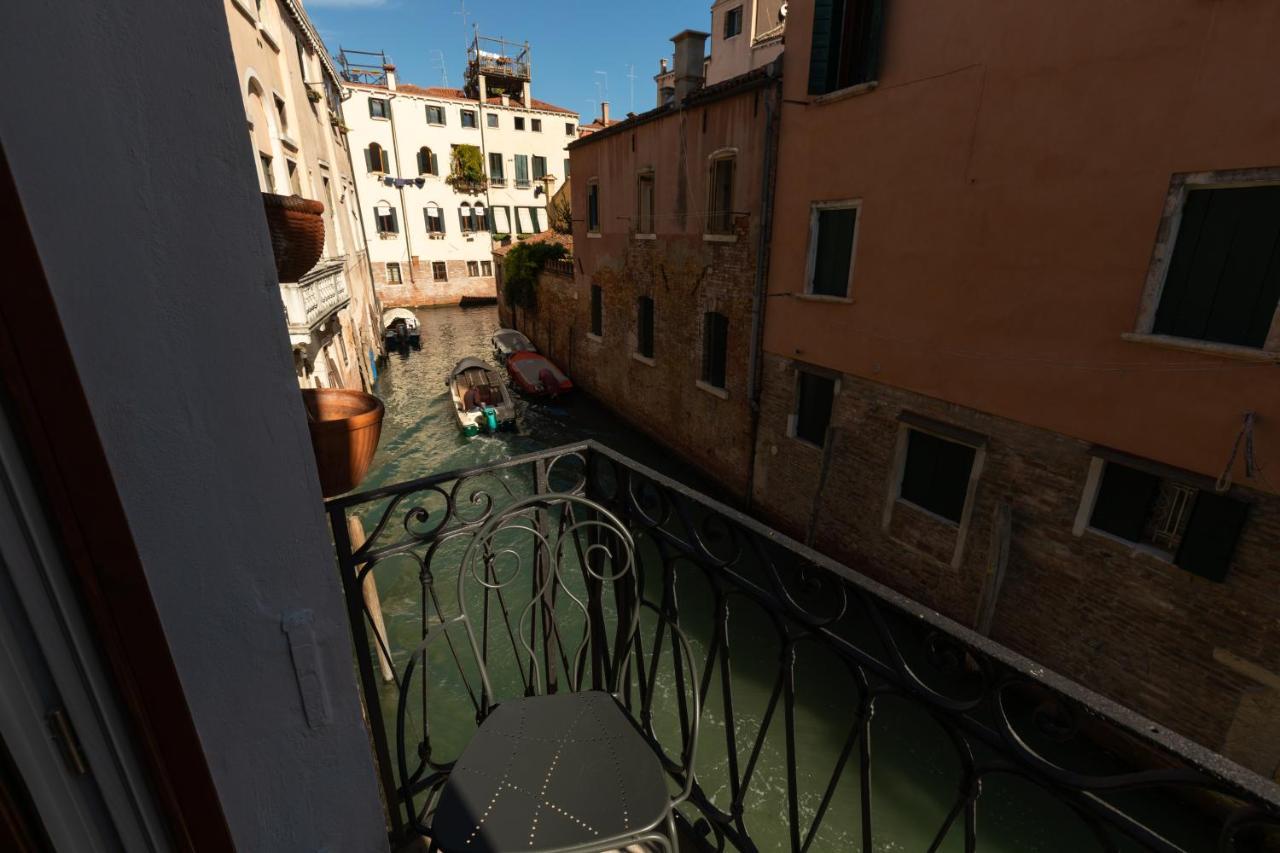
466, 172
520, 271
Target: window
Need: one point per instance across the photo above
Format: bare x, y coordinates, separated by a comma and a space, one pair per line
1223, 279
522, 171
491, 119
846, 44
597, 311
496, 174
593, 207
814, 397
566, 168
379, 108
385, 217
733, 22
427, 162
342, 349
295, 178
439, 271
302, 57
435, 114
473, 268
283, 114
464, 217
832, 232
524, 221
268, 179
479, 218
435, 218
569, 128
644, 203
535, 124
468, 117
1197, 530
539, 167
501, 223
519, 122
486, 267
720, 204
715, 345
936, 474
393, 274
376, 160
644, 326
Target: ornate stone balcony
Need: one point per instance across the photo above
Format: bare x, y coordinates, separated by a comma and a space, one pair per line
310, 302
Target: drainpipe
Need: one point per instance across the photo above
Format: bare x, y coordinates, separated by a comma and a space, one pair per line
343, 97
755, 357
395, 151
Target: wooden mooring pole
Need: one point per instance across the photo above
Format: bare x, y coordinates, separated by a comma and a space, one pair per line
369, 588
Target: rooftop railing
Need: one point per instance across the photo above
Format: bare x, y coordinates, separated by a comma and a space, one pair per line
836, 714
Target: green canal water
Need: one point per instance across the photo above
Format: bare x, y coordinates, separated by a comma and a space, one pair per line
914, 769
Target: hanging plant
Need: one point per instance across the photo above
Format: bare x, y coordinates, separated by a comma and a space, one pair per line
520, 271
313, 96
466, 173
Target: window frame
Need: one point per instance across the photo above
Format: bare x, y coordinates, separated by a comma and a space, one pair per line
486, 269
383, 166
706, 371
533, 167
473, 269
793, 419
593, 207
570, 128
491, 119
436, 267
714, 161
386, 108
731, 15
427, 218
811, 254
1180, 187
521, 183
646, 176
444, 116
518, 122
595, 327
499, 179
874, 39
464, 114
394, 216
398, 278
641, 350
535, 125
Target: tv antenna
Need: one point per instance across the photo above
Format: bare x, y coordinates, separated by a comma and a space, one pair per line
602, 86
631, 78
437, 58
462, 10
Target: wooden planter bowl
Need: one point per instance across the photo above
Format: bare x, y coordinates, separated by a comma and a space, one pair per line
345, 428
297, 233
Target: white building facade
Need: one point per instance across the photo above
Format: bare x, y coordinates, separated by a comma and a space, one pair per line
430, 231
291, 91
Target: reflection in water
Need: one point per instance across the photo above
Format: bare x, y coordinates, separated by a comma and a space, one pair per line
915, 772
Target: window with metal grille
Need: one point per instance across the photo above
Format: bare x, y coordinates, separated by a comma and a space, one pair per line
846, 45
832, 238
439, 271
597, 311
593, 207
486, 267
435, 114
1195, 529
393, 273
644, 203
715, 347
473, 268
720, 206
815, 395
644, 326
379, 108
936, 474
1223, 280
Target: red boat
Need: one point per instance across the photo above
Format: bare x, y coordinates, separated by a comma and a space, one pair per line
536, 375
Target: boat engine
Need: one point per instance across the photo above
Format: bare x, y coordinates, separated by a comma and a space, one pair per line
490, 418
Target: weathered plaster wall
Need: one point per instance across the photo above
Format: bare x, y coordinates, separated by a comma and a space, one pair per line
130, 160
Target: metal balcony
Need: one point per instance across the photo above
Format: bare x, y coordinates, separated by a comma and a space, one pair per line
836, 714
311, 301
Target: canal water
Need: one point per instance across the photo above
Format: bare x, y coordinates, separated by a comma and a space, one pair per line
915, 774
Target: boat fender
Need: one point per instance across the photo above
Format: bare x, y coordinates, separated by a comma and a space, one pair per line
491, 418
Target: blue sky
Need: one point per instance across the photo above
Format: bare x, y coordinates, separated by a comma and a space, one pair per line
570, 41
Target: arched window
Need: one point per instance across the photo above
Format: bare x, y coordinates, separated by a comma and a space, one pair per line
481, 221
387, 221
427, 162
435, 218
464, 216
375, 158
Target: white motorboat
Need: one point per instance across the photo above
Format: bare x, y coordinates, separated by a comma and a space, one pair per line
507, 341
480, 398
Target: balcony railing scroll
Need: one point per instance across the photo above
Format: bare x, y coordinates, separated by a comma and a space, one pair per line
837, 714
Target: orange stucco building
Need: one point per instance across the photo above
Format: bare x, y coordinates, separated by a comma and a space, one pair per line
1021, 321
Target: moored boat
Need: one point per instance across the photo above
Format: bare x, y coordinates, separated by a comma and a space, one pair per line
508, 341
402, 328
537, 375
480, 398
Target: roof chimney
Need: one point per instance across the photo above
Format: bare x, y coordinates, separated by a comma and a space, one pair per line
690, 54
662, 65
391, 76
604, 113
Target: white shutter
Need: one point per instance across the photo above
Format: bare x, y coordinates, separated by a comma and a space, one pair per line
541, 213
501, 223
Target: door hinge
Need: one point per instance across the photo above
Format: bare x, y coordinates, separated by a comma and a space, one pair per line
65, 735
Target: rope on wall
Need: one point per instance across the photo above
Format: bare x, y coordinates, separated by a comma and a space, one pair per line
1251, 469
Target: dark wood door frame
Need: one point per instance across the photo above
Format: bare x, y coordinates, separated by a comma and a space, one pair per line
53, 418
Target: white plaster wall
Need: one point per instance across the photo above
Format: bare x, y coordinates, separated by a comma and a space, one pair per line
154, 242
413, 133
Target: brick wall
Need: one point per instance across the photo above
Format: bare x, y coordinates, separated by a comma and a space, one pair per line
1126, 624
421, 289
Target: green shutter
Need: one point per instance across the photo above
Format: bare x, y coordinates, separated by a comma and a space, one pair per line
872, 41
823, 49
1210, 537
368, 159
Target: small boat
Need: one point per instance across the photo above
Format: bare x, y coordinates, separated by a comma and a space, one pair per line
480, 398
402, 329
507, 341
536, 375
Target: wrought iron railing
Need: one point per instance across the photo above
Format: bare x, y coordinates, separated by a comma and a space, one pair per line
803, 667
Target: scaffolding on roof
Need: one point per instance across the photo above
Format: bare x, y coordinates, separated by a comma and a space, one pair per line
355, 69
505, 65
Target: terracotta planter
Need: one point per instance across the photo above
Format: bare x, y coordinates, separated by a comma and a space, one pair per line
345, 428
297, 233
